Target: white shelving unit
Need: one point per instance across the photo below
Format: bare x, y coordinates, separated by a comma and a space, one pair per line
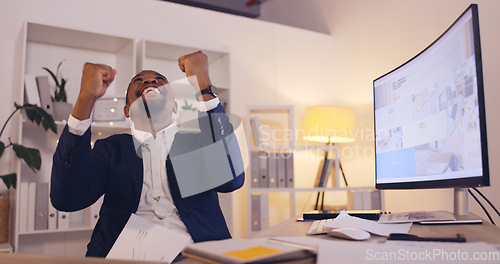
47, 45
287, 146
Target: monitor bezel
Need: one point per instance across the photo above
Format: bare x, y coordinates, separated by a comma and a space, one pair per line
473, 181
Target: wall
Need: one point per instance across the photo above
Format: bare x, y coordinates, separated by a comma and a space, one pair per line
373, 37
270, 63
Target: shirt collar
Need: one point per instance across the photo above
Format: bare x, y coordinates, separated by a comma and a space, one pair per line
146, 138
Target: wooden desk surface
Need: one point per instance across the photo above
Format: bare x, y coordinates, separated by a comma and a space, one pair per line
16, 258
485, 232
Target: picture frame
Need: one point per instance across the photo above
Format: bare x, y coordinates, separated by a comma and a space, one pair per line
109, 109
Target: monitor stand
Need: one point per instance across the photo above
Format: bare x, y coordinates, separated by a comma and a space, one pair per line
461, 210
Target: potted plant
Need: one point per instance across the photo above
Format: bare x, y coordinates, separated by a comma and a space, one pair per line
62, 109
30, 155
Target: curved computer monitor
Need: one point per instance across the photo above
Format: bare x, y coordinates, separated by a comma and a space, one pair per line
430, 124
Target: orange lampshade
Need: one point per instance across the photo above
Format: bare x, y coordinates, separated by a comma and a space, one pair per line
329, 124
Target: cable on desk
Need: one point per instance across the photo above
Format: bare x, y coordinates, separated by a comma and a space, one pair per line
482, 206
484, 197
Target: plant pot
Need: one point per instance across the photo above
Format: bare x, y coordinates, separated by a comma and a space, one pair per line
62, 110
4, 217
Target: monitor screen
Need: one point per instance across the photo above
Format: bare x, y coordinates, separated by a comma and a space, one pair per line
429, 115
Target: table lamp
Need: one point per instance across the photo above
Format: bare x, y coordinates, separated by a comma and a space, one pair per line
329, 125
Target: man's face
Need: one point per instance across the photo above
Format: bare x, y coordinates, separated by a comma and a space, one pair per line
151, 88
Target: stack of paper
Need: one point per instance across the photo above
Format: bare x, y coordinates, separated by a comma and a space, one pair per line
345, 220
141, 239
245, 251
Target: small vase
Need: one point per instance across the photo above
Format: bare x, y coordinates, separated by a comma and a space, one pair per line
62, 110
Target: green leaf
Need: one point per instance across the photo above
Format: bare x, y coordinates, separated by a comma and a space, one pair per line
62, 91
59, 66
30, 155
9, 180
53, 76
63, 84
2, 148
38, 115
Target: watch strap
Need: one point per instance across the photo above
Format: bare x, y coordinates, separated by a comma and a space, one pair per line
209, 90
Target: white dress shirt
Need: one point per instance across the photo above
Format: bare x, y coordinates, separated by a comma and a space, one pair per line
156, 204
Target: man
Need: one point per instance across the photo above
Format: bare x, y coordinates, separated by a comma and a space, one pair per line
135, 173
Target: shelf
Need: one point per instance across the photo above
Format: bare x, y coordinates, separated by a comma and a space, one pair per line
5, 247
47, 45
60, 36
290, 148
42, 232
97, 127
163, 57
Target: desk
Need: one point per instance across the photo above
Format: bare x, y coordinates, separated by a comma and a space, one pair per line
15, 258
485, 232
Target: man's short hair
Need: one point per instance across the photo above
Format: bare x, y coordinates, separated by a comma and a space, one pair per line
126, 94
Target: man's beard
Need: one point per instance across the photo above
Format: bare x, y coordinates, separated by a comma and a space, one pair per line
151, 112
152, 104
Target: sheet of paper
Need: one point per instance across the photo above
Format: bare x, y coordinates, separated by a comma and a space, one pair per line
141, 239
305, 242
418, 216
406, 252
345, 220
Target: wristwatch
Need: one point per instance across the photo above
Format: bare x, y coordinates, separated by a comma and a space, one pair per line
210, 90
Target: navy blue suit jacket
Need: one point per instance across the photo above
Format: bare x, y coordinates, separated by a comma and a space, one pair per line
81, 175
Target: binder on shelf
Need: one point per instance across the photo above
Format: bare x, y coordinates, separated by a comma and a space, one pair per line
281, 171
355, 200
328, 171
31, 205
255, 205
255, 169
94, 211
23, 206
62, 220
272, 170
31, 90
52, 217
317, 182
289, 177
260, 211
376, 201
264, 211
42, 206
364, 200
324, 172
52, 214
254, 123
44, 92
263, 180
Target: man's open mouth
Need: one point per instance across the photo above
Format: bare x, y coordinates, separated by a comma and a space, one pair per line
153, 89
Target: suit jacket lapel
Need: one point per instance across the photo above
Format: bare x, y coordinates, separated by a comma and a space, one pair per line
135, 167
